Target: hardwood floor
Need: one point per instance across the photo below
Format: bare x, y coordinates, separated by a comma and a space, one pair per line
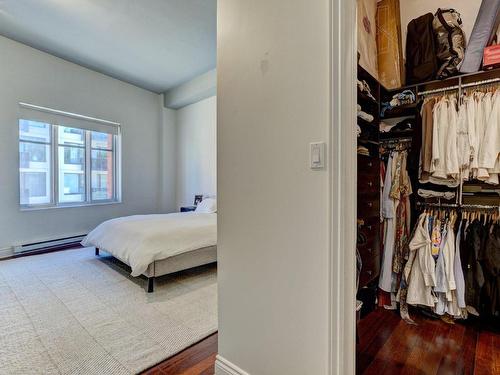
389, 345
198, 359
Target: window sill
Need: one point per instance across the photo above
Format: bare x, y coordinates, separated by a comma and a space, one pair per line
72, 205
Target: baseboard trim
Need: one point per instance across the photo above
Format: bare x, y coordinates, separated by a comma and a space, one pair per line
224, 367
13, 255
6, 252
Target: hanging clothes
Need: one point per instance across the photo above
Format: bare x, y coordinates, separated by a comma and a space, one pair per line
473, 271
388, 212
491, 266
463, 278
422, 277
460, 139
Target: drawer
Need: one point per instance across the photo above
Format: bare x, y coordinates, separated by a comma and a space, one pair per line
366, 276
368, 165
368, 205
368, 184
370, 226
370, 250
370, 270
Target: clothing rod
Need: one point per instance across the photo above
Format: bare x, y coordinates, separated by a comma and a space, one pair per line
459, 86
455, 205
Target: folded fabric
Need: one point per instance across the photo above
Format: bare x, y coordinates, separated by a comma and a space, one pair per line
436, 194
365, 116
402, 98
405, 125
363, 151
358, 130
365, 89
385, 128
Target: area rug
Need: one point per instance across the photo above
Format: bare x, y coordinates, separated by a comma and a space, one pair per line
71, 312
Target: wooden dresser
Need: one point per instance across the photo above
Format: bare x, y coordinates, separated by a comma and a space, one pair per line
369, 218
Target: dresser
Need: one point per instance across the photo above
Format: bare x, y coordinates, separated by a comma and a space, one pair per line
368, 214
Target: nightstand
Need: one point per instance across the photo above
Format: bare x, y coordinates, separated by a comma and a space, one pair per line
188, 208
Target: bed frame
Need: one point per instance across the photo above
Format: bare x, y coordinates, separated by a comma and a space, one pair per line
190, 259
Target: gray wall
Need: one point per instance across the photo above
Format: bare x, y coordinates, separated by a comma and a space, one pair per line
273, 99
35, 77
196, 151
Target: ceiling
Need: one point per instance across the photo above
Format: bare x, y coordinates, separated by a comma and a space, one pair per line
153, 44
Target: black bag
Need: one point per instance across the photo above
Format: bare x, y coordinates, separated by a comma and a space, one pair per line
421, 60
450, 38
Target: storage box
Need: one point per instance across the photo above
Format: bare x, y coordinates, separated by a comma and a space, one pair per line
389, 46
491, 57
367, 36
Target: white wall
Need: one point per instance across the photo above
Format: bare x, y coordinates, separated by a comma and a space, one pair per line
35, 77
273, 231
196, 151
169, 160
411, 9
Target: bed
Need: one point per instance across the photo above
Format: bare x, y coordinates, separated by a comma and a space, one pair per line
156, 245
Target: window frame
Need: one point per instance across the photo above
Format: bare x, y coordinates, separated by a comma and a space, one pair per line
87, 171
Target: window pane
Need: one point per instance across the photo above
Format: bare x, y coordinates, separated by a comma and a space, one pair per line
71, 174
102, 175
73, 155
102, 140
35, 187
33, 155
71, 136
34, 131
74, 184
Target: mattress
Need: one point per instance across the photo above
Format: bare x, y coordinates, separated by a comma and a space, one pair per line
140, 240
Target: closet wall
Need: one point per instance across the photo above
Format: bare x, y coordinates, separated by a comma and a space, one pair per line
411, 9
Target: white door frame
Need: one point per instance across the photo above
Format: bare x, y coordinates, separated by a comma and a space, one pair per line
343, 167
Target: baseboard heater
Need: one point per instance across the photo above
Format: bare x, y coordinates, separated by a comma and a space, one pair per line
48, 245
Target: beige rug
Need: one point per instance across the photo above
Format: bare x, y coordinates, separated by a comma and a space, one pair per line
70, 312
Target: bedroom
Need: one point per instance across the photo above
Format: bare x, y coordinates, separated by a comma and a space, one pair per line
283, 147
98, 125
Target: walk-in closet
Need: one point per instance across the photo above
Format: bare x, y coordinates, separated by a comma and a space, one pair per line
428, 243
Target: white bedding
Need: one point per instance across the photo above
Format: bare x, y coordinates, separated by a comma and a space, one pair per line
141, 239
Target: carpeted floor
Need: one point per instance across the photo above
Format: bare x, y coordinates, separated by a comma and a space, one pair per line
70, 312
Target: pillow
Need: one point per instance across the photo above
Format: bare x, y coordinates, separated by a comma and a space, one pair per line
207, 205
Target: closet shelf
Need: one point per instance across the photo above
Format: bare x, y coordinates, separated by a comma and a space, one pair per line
396, 136
405, 110
373, 124
367, 140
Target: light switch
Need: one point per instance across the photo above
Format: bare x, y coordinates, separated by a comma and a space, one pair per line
317, 155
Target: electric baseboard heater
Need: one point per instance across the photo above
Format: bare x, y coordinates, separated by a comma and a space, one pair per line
45, 245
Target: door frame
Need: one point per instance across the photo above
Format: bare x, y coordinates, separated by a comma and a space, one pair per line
343, 182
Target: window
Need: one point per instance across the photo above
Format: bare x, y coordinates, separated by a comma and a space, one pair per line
65, 165
35, 174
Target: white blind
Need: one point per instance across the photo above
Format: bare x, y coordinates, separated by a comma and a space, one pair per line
56, 117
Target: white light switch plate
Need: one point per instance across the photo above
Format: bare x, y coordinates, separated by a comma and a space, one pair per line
317, 155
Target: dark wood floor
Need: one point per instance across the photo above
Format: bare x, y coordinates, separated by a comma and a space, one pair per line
388, 345
198, 359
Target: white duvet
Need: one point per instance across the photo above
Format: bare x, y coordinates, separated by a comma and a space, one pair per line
141, 239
